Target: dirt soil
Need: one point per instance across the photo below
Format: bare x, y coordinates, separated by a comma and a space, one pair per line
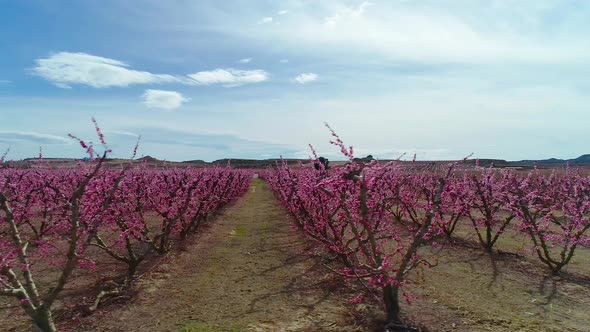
510, 290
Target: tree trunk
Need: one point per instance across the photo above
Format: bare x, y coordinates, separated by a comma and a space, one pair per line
392, 308
556, 269
43, 322
489, 248
131, 269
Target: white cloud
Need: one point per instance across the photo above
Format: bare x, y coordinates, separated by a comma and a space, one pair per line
121, 133
166, 100
468, 32
64, 69
265, 20
31, 137
347, 13
229, 77
306, 78
282, 12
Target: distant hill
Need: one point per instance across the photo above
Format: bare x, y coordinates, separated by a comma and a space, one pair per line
148, 159
541, 161
195, 161
581, 161
585, 158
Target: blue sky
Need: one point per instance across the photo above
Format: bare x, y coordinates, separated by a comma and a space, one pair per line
257, 79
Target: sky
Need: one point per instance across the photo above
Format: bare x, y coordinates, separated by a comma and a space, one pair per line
259, 78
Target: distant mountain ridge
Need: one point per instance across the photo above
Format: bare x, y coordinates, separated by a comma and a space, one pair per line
583, 160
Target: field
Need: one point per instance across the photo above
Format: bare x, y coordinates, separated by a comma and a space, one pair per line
249, 270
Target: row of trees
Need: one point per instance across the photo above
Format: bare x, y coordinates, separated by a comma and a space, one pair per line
372, 218
50, 219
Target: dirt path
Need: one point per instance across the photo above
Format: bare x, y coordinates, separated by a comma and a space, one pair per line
246, 272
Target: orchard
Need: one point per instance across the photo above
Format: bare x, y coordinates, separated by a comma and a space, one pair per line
372, 224
371, 218
53, 216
